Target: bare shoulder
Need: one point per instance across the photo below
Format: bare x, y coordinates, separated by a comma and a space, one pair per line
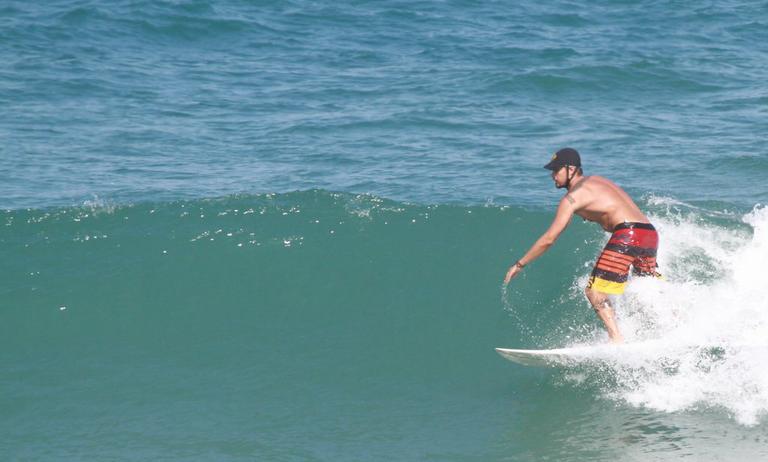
597, 180
595, 184
582, 189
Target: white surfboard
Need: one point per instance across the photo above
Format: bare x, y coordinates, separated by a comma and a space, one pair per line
582, 354
540, 358
635, 354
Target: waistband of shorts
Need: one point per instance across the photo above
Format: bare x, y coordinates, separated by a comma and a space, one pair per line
632, 225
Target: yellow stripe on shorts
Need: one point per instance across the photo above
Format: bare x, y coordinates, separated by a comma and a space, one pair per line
607, 287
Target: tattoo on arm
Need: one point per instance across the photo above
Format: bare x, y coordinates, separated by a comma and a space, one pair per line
575, 188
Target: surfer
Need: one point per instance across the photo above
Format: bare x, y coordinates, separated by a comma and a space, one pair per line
633, 240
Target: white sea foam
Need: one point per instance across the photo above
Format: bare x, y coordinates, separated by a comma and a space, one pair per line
98, 206
710, 317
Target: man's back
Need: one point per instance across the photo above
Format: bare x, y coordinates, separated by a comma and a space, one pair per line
602, 201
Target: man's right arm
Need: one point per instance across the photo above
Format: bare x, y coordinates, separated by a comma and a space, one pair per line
563, 216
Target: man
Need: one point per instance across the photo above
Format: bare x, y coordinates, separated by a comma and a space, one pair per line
633, 240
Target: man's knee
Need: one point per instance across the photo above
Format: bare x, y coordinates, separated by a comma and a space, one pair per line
597, 299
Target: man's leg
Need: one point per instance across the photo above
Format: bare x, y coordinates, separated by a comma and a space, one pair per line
602, 307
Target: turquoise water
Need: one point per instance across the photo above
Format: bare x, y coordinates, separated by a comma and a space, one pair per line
258, 231
318, 326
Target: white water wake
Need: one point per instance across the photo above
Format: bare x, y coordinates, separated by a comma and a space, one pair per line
709, 317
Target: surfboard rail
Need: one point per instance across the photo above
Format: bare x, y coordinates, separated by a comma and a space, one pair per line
640, 352
539, 358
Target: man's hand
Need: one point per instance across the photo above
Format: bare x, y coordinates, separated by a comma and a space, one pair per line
513, 271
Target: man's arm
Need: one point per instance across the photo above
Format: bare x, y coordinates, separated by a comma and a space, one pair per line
563, 216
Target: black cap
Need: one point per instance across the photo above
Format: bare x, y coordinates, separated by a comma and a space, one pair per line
563, 157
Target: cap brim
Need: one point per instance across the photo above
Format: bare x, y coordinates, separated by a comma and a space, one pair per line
552, 166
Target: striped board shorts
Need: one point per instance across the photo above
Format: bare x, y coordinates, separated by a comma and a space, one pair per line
631, 244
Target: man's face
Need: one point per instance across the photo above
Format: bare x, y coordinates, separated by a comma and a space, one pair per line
560, 177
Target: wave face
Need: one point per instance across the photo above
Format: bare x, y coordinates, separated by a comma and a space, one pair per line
268, 325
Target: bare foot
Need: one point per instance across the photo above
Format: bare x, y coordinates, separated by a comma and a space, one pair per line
617, 340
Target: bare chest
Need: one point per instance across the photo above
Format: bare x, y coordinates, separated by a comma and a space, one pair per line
600, 217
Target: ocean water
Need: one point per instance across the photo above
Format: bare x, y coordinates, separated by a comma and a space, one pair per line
277, 230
